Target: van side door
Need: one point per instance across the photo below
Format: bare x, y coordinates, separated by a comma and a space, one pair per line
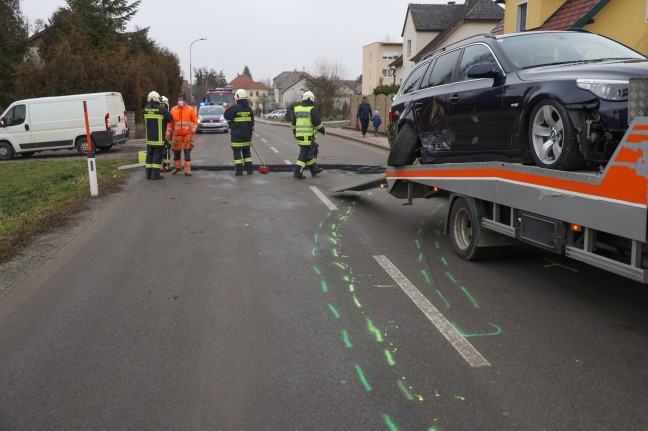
16, 127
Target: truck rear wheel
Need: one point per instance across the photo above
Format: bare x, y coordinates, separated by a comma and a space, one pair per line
464, 230
403, 151
6, 151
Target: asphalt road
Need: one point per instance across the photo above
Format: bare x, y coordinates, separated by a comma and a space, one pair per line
216, 302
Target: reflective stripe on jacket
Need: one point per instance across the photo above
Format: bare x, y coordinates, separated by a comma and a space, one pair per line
241, 121
184, 122
305, 123
155, 122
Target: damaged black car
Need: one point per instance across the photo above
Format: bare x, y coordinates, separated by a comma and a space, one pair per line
558, 99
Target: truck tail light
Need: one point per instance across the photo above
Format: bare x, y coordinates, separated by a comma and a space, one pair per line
107, 120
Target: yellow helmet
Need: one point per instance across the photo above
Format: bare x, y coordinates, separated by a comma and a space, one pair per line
153, 96
308, 95
240, 94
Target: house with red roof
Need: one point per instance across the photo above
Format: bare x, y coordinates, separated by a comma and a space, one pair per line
257, 91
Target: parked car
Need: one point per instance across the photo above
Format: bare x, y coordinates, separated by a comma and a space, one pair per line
279, 113
53, 123
558, 99
211, 119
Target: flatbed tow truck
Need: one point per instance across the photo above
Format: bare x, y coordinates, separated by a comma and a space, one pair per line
599, 218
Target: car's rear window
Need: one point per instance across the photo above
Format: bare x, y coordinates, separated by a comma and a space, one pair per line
539, 49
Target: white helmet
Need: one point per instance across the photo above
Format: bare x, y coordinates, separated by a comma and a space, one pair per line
308, 96
240, 94
153, 96
163, 99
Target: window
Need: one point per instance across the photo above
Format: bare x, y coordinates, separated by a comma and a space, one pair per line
412, 81
474, 54
388, 73
443, 69
390, 55
521, 24
409, 47
15, 116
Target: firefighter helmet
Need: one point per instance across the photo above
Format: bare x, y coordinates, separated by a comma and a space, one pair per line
163, 99
153, 96
308, 96
240, 94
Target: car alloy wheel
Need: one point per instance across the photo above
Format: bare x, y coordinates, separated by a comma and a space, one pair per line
552, 137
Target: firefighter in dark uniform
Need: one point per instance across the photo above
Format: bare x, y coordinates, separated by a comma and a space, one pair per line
166, 157
305, 125
156, 119
241, 121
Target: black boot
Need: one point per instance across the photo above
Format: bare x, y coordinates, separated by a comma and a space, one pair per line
314, 170
298, 173
249, 169
239, 171
148, 173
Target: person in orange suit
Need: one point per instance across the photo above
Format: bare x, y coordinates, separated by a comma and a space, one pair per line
185, 123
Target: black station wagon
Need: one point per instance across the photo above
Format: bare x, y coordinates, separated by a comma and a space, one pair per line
557, 99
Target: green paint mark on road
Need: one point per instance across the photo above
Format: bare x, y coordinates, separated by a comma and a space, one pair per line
321, 224
333, 240
497, 331
357, 303
351, 288
316, 237
459, 397
444, 261
345, 337
426, 276
438, 232
420, 257
339, 265
451, 277
317, 271
334, 234
447, 304
374, 331
404, 390
334, 252
465, 291
420, 231
333, 226
388, 421
558, 265
324, 286
362, 378
418, 244
390, 359
346, 278
334, 311
437, 245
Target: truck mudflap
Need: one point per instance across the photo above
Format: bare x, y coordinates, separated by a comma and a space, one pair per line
378, 181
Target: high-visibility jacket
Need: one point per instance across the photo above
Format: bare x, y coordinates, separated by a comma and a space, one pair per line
184, 122
306, 123
156, 119
241, 121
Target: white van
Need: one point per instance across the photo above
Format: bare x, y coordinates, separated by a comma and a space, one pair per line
54, 123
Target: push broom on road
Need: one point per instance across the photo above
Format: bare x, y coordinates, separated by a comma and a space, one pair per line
263, 169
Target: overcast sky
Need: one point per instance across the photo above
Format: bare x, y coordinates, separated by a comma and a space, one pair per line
269, 36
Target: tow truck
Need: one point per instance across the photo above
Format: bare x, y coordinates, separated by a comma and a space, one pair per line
597, 217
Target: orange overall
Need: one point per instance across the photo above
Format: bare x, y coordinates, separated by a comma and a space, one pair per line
185, 123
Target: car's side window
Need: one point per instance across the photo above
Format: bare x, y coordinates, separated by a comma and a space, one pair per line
426, 78
415, 77
15, 116
444, 68
474, 54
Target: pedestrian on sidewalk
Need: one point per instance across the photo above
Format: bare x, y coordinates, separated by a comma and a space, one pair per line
241, 121
185, 123
305, 125
364, 115
377, 121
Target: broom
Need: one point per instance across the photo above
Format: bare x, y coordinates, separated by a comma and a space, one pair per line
263, 169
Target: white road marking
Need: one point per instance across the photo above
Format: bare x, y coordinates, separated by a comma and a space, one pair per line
323, 198
256, 134
264, 141
465, 349
274, 149
288, 162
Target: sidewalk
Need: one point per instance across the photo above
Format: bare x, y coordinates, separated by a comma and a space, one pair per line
379, 141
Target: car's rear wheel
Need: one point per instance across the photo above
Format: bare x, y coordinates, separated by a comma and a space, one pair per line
403, 151
552, 137
6, 151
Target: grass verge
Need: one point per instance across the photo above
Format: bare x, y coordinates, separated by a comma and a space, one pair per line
37, 195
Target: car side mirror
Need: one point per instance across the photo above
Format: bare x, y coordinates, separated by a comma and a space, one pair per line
486, 70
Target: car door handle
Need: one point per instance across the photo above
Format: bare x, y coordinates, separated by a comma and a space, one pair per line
454, 98
26, 126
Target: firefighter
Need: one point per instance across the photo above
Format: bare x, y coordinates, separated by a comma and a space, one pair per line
156, 118
166, 160
305, 125
182, 129
241, 121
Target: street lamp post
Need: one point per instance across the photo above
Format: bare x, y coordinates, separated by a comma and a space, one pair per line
190, 72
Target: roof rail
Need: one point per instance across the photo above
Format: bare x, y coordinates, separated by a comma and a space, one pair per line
474, 36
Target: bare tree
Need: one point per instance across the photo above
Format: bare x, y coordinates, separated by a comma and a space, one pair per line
327, 85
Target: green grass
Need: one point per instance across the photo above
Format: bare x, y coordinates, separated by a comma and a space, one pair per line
36, 195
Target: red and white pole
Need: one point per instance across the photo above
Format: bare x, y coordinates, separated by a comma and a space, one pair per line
92, 166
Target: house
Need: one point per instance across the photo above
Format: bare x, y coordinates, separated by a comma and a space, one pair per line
376, 58
257, 91
289, 86
429, 27
625, 21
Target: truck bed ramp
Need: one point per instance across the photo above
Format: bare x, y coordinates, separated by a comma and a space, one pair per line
365, 184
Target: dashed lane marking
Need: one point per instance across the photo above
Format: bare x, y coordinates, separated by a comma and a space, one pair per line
264, 141
288, 162
274, 150
465, 349
323, 198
